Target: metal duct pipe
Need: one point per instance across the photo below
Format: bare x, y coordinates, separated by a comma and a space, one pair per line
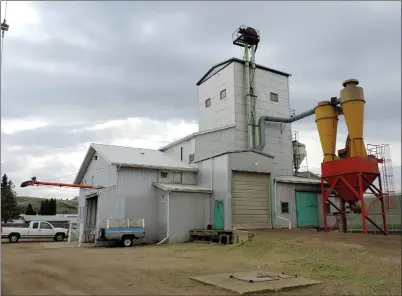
263, 119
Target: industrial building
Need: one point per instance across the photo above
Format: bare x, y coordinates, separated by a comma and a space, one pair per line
239, 171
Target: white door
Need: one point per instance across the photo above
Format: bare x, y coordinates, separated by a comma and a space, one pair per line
250, 200
45, 229
35, 229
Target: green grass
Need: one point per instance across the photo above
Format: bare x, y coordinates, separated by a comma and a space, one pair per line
342, 269
63, 206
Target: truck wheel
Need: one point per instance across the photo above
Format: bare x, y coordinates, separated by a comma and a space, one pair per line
59, 237
13, 237
127, 241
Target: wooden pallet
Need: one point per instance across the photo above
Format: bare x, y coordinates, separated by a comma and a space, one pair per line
211, 236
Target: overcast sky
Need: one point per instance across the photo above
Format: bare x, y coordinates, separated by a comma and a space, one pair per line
124, 73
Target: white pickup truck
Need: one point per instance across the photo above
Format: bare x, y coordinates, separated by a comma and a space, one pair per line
33, 230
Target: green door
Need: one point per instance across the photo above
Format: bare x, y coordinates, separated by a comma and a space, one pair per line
218, 214
306, 209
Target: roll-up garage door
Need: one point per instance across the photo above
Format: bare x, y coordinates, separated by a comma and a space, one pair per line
250, 200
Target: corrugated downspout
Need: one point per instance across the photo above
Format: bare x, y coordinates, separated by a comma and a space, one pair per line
263, 119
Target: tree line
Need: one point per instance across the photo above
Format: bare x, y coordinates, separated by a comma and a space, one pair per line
9, 209
8, 201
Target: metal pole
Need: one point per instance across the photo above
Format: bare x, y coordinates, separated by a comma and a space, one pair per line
254, 99
248, 97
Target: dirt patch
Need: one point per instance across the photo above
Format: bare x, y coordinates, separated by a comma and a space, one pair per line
345, 265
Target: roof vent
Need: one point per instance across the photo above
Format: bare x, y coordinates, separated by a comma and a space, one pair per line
142, 153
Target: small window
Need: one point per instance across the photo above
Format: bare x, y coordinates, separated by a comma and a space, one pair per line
44, 225
181, 153
35, 225
284, 207
93, 182
223, 94
96, 157
207, 103
328, 208
273, 97
164, 175
177, 177
191, 158
162, 198
85, 181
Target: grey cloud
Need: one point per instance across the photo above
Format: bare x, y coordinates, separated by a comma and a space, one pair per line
122, 74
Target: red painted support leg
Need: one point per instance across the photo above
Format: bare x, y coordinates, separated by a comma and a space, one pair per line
383, 212
363, 208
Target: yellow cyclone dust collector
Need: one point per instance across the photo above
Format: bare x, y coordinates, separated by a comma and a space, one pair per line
352, 103
326, 118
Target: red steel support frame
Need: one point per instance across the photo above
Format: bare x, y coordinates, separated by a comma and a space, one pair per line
359, 196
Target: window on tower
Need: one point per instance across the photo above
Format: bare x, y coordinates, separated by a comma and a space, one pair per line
207, 102
273, 97
223, 94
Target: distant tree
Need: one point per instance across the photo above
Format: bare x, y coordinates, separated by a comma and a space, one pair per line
8, 200
75, 198
42, 208
54, 206
30, 210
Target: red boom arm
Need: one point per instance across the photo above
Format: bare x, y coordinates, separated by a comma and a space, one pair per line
34, 182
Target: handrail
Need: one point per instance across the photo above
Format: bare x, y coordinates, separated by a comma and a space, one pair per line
290, 222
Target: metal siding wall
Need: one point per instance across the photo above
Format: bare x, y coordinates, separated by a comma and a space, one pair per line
104, 174
187, 211
188, 178
161, 214
220, 184
277, 142
110, 206
250, 162
209, 144
221, 112
188, 148
221, 187
136, 189
286, 193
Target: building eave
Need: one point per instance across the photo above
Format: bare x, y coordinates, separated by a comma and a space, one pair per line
297, 180
231, 60
167, 168
189, 189
193, 135
236, 151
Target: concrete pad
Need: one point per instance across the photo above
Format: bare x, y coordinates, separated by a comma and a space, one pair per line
239, 282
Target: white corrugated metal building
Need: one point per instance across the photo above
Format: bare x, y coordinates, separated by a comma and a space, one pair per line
209, 177
136, 182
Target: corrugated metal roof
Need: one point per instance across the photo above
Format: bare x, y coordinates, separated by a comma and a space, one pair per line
182, 188
189, 137
131, 157
293, 179
137, 157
